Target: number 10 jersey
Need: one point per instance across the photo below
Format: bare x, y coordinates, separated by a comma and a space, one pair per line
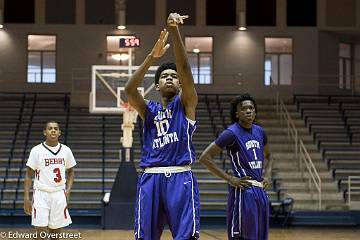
167, 136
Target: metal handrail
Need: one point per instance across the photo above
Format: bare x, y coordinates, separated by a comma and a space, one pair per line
350, 188
291, 128
305, 158
299, 147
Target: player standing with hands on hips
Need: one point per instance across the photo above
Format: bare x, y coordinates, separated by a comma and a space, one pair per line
52, 165
167, 190
246, 144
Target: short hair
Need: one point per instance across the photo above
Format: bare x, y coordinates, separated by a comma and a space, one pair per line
164, 66
234, 103
51, 121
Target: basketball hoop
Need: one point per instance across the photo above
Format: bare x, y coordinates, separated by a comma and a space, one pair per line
108, 96
129, 118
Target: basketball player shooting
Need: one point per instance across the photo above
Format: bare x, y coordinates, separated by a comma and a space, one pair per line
52, 165
167, 189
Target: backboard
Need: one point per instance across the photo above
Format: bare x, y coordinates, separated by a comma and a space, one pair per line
108, 84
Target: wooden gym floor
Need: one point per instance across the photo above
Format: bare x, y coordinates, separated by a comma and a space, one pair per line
212, 234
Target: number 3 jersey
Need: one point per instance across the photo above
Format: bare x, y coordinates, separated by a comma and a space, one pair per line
167, 136
50, 164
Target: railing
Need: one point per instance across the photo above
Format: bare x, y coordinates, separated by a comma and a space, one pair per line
305, 159
350, 203
26, 145
18, 124
13, 144
285, 117
299, 148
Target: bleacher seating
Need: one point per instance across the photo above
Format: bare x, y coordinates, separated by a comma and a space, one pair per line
95, 142
335, 125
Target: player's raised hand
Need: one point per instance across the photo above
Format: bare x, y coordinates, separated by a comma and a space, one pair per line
160, 46
239, 182
175, 19
27, 207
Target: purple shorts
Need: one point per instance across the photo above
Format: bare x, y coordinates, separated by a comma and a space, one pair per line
248, 214
167, 199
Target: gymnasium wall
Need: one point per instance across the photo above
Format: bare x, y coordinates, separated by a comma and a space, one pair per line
238, 56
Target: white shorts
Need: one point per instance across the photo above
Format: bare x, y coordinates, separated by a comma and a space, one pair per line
49, 209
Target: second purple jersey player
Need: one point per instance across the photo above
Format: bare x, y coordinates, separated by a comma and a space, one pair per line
246, 144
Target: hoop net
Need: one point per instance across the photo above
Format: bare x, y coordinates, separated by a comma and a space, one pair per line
130, 114
129, 118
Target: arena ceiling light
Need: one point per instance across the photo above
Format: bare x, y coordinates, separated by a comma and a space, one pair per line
120, 56
1, 19
121, 23
241, 21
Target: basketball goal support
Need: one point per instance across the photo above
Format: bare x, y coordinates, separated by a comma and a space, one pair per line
109, 82
118, 213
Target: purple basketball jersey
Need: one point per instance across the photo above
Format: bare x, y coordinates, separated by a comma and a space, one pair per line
248, 209
167, 136
171, 198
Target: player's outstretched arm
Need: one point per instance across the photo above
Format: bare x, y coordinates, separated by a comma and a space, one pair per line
188, 93
27, 184
135, 99
70, 175
206, 159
